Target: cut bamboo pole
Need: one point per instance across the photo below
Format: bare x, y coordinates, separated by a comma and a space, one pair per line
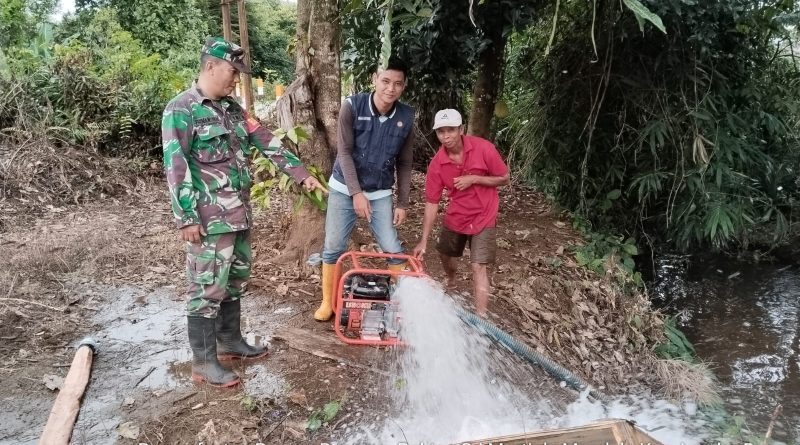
65, 410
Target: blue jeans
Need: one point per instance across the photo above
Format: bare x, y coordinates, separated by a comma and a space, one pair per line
340, 219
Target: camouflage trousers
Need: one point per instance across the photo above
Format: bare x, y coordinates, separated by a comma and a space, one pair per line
218, 269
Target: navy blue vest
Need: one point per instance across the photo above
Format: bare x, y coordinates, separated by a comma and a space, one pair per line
376, 145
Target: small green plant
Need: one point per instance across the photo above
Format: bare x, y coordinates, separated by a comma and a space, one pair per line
323, 415
261, 191
601, 248
677, 346
249, 404
731, 429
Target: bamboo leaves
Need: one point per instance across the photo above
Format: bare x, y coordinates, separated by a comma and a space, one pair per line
699, 152
719, 219
702, 143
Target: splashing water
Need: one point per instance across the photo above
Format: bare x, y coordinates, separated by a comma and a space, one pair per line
451, 386
447, 389
663, 421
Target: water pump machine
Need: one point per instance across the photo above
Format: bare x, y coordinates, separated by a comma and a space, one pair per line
364, 311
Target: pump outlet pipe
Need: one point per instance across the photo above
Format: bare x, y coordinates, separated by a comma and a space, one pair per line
65, 410
552, 368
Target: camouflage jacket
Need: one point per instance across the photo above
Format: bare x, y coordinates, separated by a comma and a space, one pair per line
207, 144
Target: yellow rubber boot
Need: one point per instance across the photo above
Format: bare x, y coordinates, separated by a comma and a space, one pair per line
325, 311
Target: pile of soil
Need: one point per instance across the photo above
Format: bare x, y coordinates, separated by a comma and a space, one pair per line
39, 174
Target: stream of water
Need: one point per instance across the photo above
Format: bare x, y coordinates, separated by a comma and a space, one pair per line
744, 321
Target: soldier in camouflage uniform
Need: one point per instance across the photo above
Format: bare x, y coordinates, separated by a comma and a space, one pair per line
207, 140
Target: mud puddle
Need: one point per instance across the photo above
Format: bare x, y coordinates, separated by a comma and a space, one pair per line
142, 365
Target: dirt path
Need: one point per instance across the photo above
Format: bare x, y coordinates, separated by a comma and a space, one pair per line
114, 270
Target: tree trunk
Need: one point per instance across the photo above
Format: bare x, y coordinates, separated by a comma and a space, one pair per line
487, 85
312, 101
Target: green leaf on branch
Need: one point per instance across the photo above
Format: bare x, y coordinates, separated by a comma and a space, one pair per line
280, 133
296, 134
643, 14
292, 135
284, 182
630, 249
276, 178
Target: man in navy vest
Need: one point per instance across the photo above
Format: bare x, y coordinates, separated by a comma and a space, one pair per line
376, 143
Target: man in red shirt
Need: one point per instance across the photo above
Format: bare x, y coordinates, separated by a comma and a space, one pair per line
470, 169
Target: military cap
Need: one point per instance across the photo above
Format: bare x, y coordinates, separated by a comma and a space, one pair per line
222, 49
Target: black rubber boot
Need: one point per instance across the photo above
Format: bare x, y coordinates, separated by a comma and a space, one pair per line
230, 344
205, 365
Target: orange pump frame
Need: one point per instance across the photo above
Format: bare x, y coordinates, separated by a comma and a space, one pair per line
352, 259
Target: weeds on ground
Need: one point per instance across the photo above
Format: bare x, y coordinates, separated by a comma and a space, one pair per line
693, 381
734, 429
323, 415
603, 253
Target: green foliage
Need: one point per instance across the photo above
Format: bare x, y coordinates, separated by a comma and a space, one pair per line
101, 77
323, 415
386, 36
174, 29
694, 132
601, 252
261, 191
5, 71
21, 21
97, 89
676, 346
13, 21
643, 14
271, 31
249, 404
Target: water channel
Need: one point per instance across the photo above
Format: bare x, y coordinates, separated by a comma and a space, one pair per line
744, 320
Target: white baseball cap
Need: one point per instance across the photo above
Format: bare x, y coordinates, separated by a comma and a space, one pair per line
447, 118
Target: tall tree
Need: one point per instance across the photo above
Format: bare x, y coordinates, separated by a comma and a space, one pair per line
272, 26
312, 101
489, 71
453, 47
175, 29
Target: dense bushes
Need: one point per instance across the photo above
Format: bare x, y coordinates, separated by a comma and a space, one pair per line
79, 118
688, 137
99, 89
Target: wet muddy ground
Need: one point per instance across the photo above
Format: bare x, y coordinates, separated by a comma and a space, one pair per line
113, 271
